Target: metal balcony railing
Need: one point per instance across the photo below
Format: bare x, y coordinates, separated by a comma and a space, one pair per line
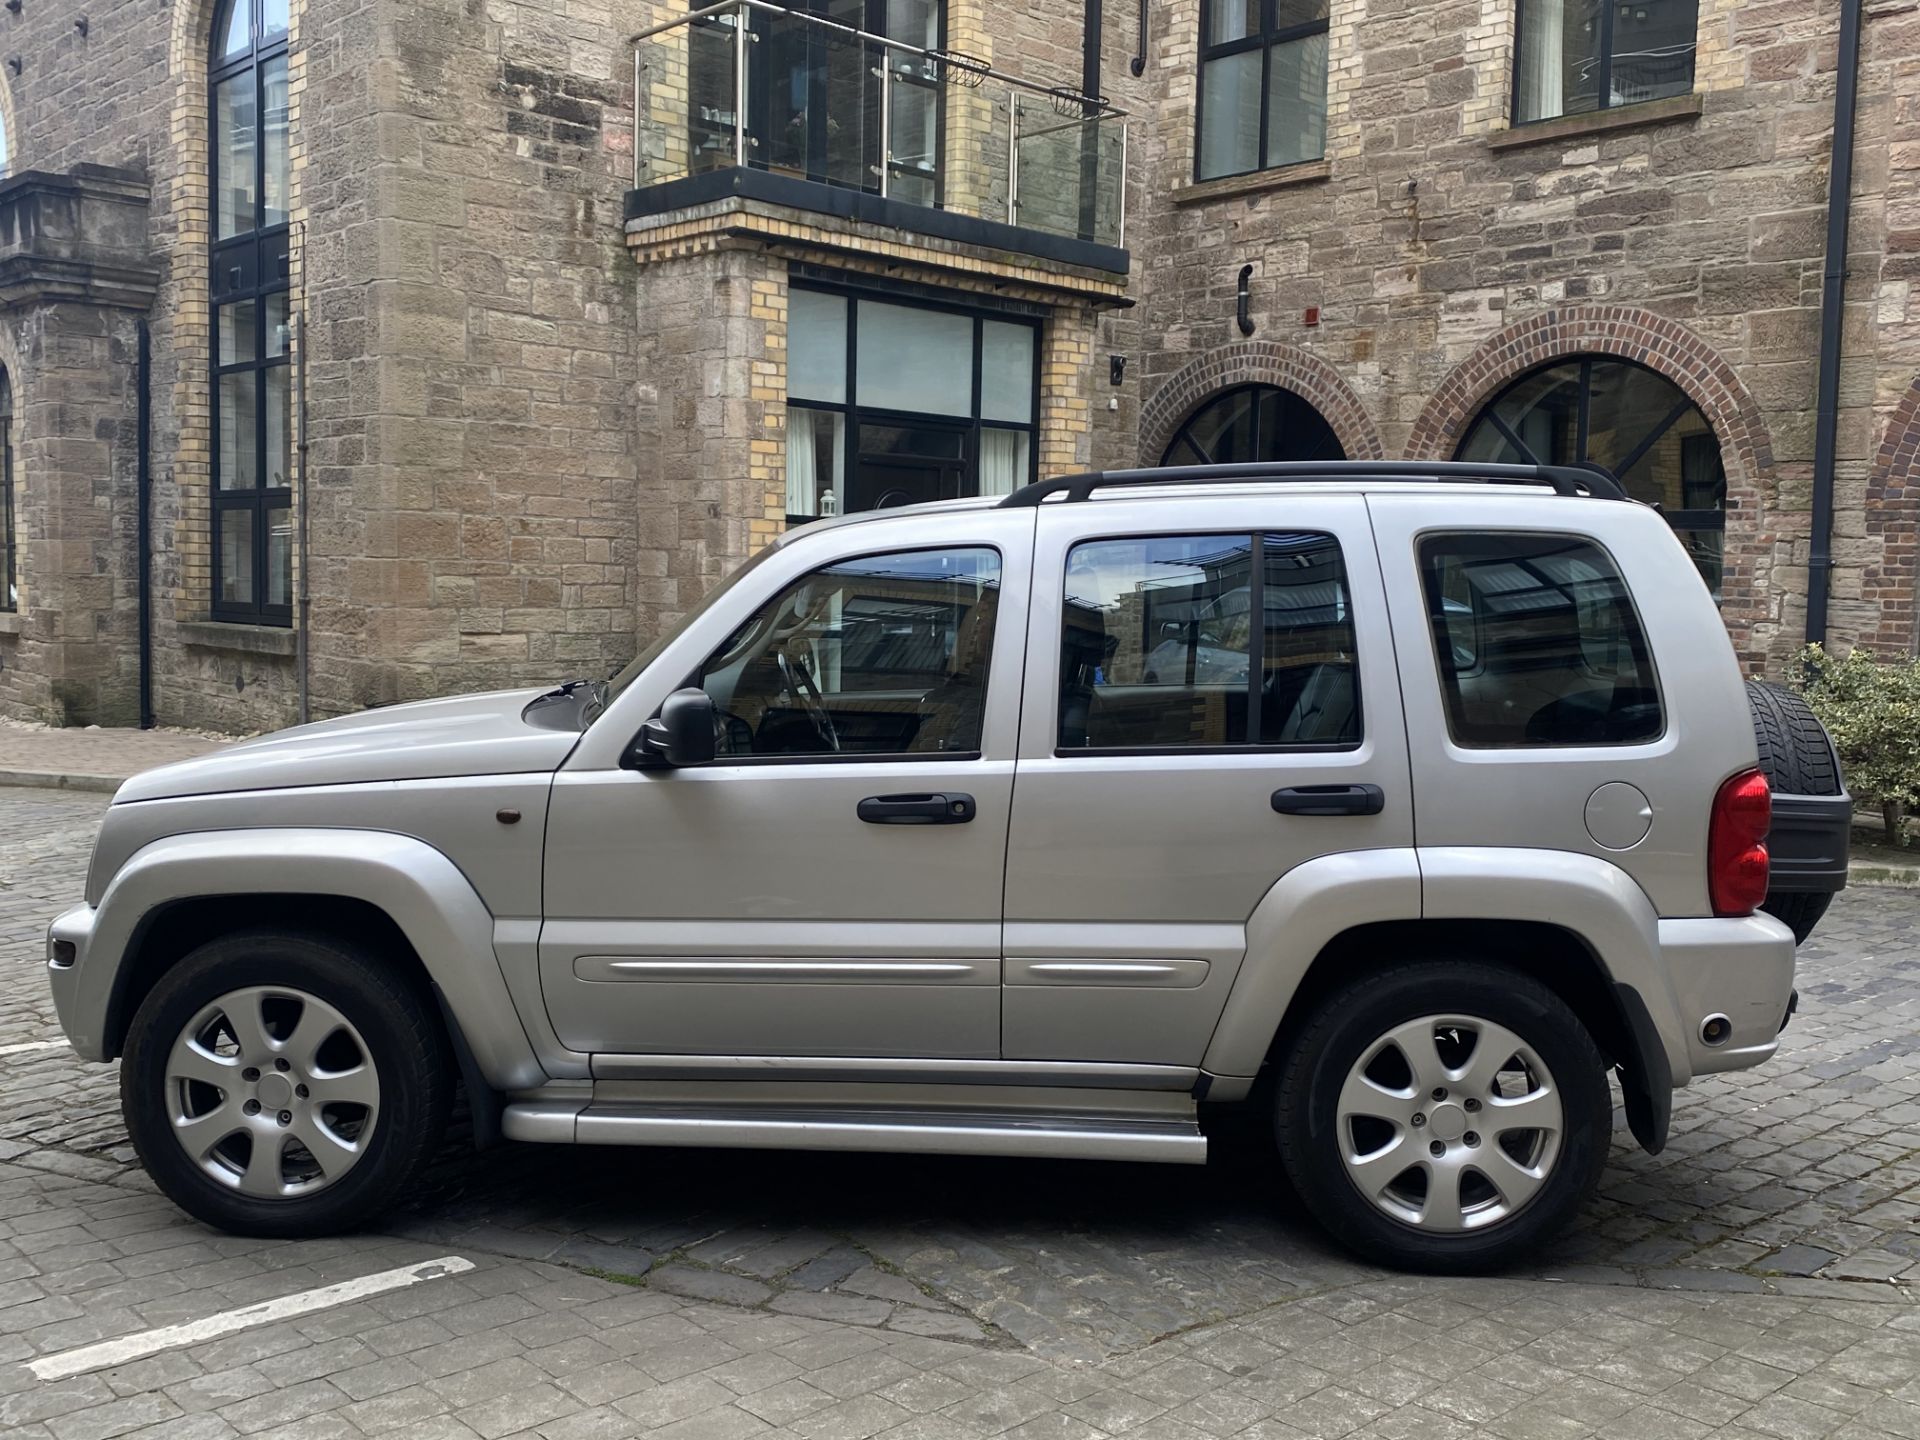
752, 84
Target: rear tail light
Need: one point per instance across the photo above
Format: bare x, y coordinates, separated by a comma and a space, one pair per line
1736, 844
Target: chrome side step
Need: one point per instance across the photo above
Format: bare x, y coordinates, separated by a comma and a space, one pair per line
1074, 1135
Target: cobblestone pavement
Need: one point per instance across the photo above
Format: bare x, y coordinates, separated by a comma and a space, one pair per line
1757, 1279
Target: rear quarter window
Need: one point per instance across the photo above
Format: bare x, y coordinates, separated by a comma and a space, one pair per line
1538, 642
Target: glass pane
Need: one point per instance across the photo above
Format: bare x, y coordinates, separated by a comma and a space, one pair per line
1486, 444
709, 100
1559, 72
1006, 371
1222, 429
1004, 462
279, 427
934, 442
1291, 429
273, 78
1155, 647
279, 336
913, 359
915, 21
236, 556
235, 135
237, 333
1653, 46
1230, 115
882, 655
1231, 20
1291, 13
280, 556
1309, 688
1625, 406
1538, 642
230, 30
239, 453
1543, 409
1297, 101
1708, 550
816, 461
817, 346
914, 138
273, 19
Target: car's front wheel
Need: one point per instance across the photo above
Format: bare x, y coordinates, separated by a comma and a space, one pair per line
283, 1084
1444, 1116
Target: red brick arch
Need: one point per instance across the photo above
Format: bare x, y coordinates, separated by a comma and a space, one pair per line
1893, 519
1627, 332
1258, 362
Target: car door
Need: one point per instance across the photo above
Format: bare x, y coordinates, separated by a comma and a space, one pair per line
831, 884
1210, 701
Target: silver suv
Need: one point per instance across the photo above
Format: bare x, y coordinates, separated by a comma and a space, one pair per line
1405, 802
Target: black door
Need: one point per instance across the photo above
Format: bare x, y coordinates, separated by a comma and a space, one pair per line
909, 463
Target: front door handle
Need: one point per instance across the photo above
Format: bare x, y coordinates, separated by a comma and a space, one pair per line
1330, 800
942, 809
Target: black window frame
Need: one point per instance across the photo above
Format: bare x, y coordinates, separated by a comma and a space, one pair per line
1256, 388
1603, 79
1256, 643
9, 531
853, 415
246, 268
1679, 519
1270, 34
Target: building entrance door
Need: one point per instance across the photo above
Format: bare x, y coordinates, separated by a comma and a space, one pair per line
909, 463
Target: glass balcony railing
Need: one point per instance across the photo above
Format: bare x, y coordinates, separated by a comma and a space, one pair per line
755, 85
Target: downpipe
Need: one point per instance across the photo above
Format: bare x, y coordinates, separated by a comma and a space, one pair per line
143, 542
1832, 321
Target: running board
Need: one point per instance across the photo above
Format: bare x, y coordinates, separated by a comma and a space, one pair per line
1056, 1135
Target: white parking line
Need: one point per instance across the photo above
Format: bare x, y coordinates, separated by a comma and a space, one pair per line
227, 1322
31, 1046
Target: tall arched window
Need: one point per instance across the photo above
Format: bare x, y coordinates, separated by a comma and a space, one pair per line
252, 397
1638, 424
9, 536
1253, 422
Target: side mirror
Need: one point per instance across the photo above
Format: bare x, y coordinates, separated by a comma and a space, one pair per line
681, 734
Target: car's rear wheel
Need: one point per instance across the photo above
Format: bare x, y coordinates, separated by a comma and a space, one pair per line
284, 1084
1444, 1116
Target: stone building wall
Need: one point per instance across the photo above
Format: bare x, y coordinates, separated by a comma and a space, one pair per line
1434, 238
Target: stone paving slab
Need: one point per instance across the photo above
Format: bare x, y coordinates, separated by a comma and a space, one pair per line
1757, 1279
90, 758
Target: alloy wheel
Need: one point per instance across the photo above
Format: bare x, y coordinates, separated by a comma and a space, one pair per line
272, 1092
1449, 1123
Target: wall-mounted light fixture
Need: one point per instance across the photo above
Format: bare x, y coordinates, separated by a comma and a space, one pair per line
81, 26
1116, 369
1243, 301
14, 6
15, 64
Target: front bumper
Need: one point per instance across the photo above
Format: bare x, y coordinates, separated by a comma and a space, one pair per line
81, 1006
1741, 969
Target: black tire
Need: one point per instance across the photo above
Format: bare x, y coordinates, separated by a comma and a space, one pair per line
1353, 1019
404, 1042
1797, 759
1794, 751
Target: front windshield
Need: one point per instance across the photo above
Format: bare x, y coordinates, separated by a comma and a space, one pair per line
666, 637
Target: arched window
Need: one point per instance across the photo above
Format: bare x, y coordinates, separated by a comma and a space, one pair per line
252, 397
9, 536
1638, 424
1253, 422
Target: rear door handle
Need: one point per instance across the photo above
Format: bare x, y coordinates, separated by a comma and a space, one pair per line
941, 809
1330, 800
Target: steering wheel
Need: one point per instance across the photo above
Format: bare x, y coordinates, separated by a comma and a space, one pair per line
799, 682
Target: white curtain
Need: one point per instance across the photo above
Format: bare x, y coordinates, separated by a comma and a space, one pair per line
1003, 461
1543, 60
806, 431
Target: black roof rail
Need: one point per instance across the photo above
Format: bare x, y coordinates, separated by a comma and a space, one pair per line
1585, 479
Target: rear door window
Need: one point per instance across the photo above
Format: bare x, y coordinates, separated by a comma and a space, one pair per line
1538, 642
1162, 649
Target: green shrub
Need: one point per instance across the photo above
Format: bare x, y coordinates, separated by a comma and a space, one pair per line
1872, 710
